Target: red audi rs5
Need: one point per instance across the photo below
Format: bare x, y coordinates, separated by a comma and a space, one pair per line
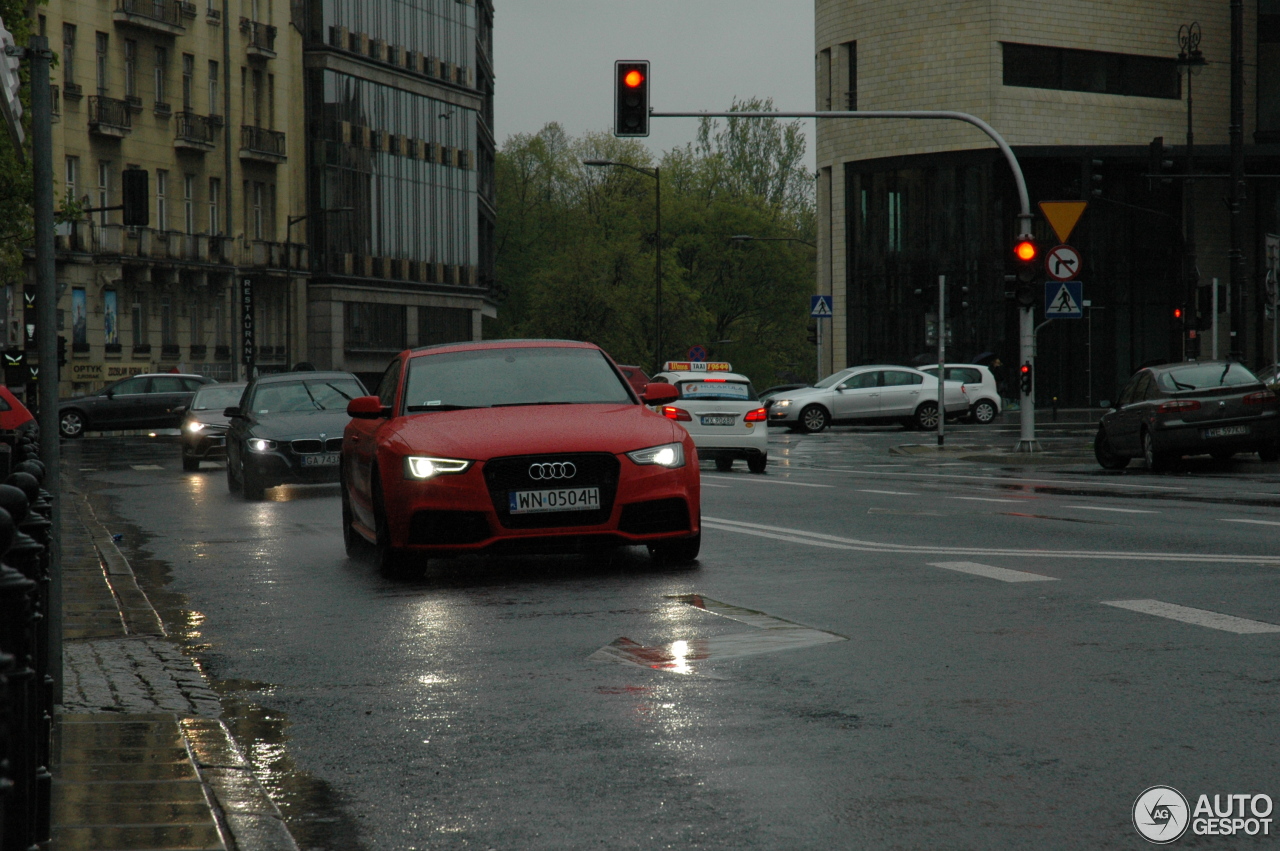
515, 446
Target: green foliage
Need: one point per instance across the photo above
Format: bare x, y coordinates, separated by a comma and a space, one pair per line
576, 249
17, 221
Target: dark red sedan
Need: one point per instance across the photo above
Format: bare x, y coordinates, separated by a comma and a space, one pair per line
515, 446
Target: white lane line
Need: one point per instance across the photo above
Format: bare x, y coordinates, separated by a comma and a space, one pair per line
990, 572
146, 466
726, 487
890, 493
1000, 479
760, 481
985, 499
1116, 510
1257, 522
1198, 617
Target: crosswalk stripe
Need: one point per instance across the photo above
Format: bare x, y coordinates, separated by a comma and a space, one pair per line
990, 572
1198, 617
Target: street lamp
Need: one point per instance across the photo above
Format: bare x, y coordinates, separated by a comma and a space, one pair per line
1190, 58
656, 174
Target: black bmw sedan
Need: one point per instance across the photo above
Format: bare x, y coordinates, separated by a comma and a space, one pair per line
287, 429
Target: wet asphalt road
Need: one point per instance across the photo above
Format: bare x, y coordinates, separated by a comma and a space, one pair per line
940, 706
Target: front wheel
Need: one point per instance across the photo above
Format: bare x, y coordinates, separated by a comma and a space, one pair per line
351, 540
1269, 453
927, 416
1107, 457
984, 412
71, 424
757, 463
683, 551
393, 562
1157, 462
189, 464
724, 465
814, 419
233, 484
251, 481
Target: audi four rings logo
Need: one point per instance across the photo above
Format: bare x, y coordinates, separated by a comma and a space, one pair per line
557, 470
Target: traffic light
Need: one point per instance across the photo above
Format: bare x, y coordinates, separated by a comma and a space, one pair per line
1026, 258
1025, 378
1158, 154
62, 351
631, 99
959, 299
1178, 317
134, 194
1095, 178
813, 333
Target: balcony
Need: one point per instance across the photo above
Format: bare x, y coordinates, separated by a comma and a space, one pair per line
109, 117
262, 38
162, 16
261, 144
194, 132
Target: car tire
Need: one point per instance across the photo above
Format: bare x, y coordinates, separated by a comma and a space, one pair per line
757, 463
1107, 457
72, 424
233, 484
984, 412
352, 541
189, 464
1157, 462
926, 417
1269, 453
392, 563
814, 419
724, 465
251, 484
683, 551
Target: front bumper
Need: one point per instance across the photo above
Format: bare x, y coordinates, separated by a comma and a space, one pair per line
1188, 437
205, 445
276, 468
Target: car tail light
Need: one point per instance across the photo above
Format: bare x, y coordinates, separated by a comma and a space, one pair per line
671, 412
1262, 397
1177, 405
759, 415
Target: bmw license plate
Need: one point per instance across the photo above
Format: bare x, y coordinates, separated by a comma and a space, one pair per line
1224, 431
719, 421
324, 459
564, 499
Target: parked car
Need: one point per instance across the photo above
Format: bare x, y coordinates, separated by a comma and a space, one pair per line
140, 401
767, 396
1217, 408
720, 411
515, 446
868, 394
205, 423
635, 377
287, 429
14, 415
979, 386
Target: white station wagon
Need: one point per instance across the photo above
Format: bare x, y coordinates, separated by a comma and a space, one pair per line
720, 410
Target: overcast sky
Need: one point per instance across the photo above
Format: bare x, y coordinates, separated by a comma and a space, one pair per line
554, 60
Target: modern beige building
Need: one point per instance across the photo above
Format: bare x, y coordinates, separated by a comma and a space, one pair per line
206, 98
1079, 89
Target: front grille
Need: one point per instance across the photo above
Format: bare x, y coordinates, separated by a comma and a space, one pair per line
441, 528
302, 447
656, 515
333, 444
594, 470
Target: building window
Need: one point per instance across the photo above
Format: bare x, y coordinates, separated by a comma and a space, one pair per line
197, 324
258, 192
824, 79
895, 221
103, 42
162, 59
377, 327
168, 335
73, 176
69, 54
851, 72
189, 203
138, 314
1037, 67
215, 201
443, 325
215, 105
188, 80
104, 190
257, 98
130, 68
1268, 71
162, 190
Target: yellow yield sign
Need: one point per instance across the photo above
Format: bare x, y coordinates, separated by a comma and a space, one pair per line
1063, 216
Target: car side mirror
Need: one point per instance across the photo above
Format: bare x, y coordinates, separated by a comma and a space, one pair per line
1107, 404
109, 393
232, 413
179, 409
659, 394
367, 408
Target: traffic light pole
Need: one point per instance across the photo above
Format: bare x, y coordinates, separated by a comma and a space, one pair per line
1027, 440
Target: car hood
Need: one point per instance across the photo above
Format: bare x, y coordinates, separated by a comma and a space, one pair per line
303, 424
485, 433
209, 417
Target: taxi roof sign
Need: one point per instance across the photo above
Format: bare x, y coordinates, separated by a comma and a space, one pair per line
697, 366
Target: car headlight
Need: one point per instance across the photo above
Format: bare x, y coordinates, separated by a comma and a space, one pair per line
782, 403
423, 467
195, 426
666, 455
258, 444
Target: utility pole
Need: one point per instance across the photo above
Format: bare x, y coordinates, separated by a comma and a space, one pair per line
1236, 204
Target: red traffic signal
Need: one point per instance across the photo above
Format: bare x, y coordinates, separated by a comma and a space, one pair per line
1177, 313
633, 78
1026, 251
631, 98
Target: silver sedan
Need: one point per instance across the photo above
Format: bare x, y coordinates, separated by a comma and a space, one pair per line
868, 394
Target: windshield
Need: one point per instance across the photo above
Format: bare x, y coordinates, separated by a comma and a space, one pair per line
517, 376
721, 389
217, 397
317, 394
832, 380
1205, 376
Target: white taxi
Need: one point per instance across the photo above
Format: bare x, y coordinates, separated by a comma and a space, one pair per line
720, 410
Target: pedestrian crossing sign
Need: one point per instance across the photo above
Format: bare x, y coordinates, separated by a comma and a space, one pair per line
820, 306
1063, 300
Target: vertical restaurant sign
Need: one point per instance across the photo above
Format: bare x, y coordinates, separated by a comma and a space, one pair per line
110, 323
29, 318
246, 319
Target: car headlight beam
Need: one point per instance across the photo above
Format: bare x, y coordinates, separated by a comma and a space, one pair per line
195, 426
423, 467
666, 455
258, 444
782, 403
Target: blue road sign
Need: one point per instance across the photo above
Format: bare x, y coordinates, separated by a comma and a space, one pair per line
820, 306
1063, 300
697, 354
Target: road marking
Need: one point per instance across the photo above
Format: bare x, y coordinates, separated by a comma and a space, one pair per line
985, 499
771, 635
1117, 510
766, 481
1257, 522
1001, 479
707, 485
1198, 617
146, 466
890, 493
990, 572
905, 513
817, 539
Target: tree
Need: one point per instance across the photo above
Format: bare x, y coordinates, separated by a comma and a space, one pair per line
17, 216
